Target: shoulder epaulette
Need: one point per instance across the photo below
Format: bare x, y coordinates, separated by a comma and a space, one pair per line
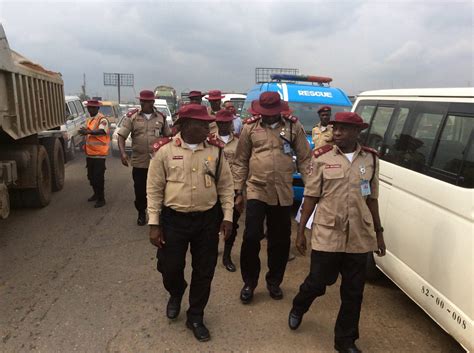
291, 118
213, 140
161, 114
370, 150
161, 142
132, 111
252, 119
322, 150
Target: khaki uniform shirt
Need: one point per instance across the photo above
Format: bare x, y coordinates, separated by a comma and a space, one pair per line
343, 222
177, 178
229, 149
144, 134
322, 135
262, 165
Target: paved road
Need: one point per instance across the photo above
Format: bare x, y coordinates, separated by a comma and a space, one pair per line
74, 278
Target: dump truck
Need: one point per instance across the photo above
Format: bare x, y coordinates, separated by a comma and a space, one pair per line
31, 144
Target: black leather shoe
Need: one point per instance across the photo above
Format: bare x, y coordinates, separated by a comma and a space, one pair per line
92, 198
228, 264
173, 308
350, 348
246, 294
275, 291
141, 220
294, 320
200, 331
99, 203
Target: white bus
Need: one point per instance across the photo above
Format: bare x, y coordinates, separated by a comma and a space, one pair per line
426, 142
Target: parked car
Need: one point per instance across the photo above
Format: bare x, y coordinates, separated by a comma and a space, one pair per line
111, 110
114, 143
162, 106
76, 117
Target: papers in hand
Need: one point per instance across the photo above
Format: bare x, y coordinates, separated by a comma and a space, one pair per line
309, 224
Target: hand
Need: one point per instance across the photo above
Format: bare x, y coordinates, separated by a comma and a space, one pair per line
83, 131
380, 245
226, 229
239, 203
124, 159
157, 237
301, 243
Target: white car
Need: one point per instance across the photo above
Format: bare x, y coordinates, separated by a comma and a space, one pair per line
114, 143
76, 117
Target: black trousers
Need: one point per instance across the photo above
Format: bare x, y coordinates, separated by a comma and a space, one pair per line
229, 243
139, 184
199, 230
95, 174
325, 268
278, 237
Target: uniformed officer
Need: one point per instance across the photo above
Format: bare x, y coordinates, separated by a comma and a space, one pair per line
96, 149
146, 126
322, 132
236, 122
195, 97
343, 180
189, 180
215, 100
264, 164
224, 120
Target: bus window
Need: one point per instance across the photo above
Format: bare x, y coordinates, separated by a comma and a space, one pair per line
453, 143
379, 126
366, 111
466, 177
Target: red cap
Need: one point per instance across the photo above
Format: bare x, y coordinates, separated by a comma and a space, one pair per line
224, 115
349, 118
93, 103
194, 111
146, 95
324, 108
195, 94
215, 95
269, 103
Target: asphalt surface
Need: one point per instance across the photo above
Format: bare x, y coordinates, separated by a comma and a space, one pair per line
74, 278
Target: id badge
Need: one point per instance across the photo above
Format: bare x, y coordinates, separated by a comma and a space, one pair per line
365, 187
207, 181
286, 148
157, 132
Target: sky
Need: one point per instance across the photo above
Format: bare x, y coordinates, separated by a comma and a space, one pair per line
362, 44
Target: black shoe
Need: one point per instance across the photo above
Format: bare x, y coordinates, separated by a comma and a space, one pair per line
246, 294
228, 264
141, 220
275, 291
99, 203
173, 308
200, 331
92, 198
348, 348
294, 320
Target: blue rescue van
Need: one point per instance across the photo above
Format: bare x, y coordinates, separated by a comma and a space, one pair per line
305, 95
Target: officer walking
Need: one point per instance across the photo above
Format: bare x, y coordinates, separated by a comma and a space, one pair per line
236, 122
264, 164
343, 180
215, 100
224, 120
322, 132
96, 149
195, 97
189, 181
146, 126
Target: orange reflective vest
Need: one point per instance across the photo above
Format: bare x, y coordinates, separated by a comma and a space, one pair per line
97, 145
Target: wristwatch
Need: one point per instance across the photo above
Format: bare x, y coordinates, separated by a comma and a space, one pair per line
379, 230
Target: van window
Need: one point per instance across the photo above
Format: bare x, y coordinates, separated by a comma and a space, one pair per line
72, 109
79, 107
453, 143
379, 126
398, 122
366, 110
466, 177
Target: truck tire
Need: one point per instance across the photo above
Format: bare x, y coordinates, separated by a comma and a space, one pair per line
41, 195
56, 158
71, 153
4, 202
373, 273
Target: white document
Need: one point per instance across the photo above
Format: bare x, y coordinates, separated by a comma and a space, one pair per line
309, 224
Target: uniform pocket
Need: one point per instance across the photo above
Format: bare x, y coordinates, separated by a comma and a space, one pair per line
333, 173
325, 219
256, 179
368, 219
175, 170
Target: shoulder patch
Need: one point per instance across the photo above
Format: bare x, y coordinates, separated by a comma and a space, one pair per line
213, 140
131, 112
370, 150
291, 118
161, 142
322, 150
252, 119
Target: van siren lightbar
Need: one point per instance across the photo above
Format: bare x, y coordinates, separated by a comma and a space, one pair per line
304, 78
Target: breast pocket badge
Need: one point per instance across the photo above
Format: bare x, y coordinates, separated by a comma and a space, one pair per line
365, 187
